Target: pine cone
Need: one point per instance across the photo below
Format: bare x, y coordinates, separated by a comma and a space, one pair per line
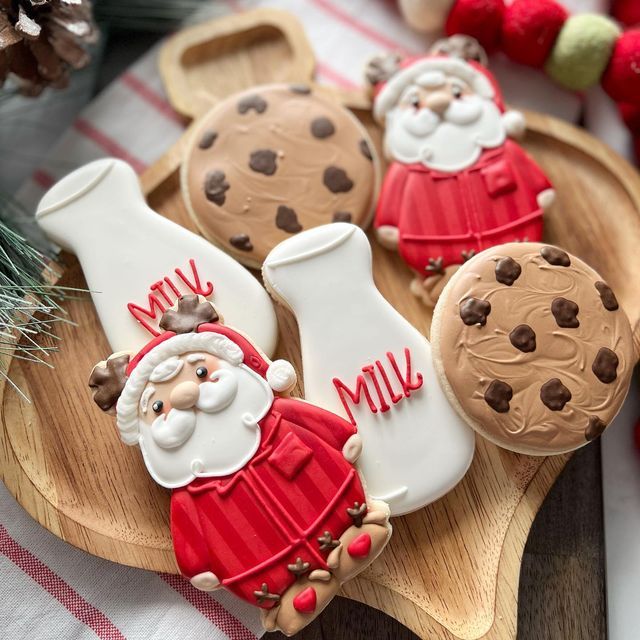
42, 40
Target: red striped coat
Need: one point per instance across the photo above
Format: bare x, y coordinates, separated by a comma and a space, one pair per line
448, 215
249, 526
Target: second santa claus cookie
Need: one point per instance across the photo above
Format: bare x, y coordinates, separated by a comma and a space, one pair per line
271, 161
456, 183
266, 501
533, 348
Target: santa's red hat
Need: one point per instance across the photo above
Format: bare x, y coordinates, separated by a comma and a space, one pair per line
387, 93
200, 333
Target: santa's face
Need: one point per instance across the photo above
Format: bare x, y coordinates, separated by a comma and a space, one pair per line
440, 122
199, 418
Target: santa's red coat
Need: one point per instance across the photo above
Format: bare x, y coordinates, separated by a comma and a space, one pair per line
448, 215
249, 526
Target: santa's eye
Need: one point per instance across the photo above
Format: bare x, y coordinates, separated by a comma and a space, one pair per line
415, 101
456, 91
202, 372
157, 406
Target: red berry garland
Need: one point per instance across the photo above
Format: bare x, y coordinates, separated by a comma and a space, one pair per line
622, 77
627, 11
481, 19
530, 29
577, 52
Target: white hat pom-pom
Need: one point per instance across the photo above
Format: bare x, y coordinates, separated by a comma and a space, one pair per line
281, 375
514, 124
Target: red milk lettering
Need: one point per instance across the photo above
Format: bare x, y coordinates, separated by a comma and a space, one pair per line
172, 286
372, 372
395, 397
361, 387
407, 385
159, 288
196, 286
137, 312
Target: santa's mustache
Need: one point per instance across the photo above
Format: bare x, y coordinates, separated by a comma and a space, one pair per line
424, 121
177, 426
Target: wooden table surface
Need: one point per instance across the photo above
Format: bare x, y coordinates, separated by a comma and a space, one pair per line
562, 580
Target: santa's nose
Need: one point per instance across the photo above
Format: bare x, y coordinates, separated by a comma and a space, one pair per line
184, 395
438, 102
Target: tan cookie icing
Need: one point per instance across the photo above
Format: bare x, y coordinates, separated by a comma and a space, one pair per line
271, 161
532, 348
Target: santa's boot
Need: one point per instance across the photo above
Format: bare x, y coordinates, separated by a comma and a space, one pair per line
361, 543
428, 289
301, 603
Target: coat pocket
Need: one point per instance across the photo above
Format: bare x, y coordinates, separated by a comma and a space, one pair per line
498, 179
290, 456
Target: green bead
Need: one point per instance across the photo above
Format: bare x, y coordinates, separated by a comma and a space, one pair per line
582, 51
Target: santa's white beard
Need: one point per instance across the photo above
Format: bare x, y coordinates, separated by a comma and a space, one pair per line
216, 438
449, 143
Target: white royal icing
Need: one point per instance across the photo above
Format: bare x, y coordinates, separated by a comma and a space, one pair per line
414, 450
125, 249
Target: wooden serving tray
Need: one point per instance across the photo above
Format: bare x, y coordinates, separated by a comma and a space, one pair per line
451, 570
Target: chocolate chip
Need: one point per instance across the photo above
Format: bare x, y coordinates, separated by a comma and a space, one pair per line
556, 257
342, 216
241, 241
474, 311
215, 187
507, 271
594, 428
554, 394
365, 150
301, 89
566, 313
498, 395
263, 161
609, 300
523, 337
605, 365
287, 220
337, 180
207, 140
254, 101
322, 128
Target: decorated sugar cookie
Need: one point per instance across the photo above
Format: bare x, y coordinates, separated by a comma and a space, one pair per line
272, 161
456, 183
365, 362
265, 499
532, 348
137, 263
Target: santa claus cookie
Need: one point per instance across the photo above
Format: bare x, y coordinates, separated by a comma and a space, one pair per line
456, 183
273, 160
265, 499
532, 348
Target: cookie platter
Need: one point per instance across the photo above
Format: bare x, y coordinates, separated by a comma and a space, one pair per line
451, 569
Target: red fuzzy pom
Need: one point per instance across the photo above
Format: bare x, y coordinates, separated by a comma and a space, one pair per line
636, 434
481, 19
627, 11
621, 79
631, 116
530, 29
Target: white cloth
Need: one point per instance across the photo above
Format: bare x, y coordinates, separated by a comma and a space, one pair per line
50, 589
